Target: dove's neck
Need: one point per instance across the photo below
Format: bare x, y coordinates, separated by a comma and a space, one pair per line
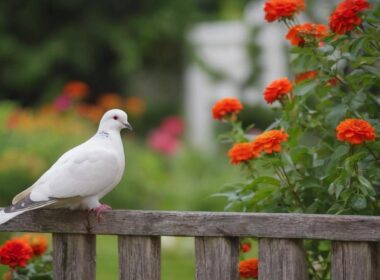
111, 136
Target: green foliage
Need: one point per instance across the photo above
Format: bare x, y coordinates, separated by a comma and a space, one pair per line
315, 172
44, 44
40, 268
328, 176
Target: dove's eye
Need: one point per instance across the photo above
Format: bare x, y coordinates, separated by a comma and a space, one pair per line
115, 117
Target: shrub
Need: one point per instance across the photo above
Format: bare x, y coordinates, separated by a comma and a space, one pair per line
321, 155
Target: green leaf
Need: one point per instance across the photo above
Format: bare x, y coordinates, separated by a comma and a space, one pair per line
341, 151
262, 194
326, 49
358, 202
336, 115
309, 182
302, 155
305, 87
338, 190
266, 180
367, 184
350, 162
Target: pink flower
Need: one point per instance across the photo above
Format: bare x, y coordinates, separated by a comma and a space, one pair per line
173, 125
62, 103
163, 142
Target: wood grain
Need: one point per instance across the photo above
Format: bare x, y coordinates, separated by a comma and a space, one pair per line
355, 260
217, 258
282, 259
158, 223
139, 257
74, 256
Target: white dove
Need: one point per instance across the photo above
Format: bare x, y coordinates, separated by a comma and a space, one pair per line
81, 176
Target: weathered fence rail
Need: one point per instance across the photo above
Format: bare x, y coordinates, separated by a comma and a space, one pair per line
355, 250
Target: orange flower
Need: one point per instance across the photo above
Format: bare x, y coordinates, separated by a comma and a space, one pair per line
269, 141
110, 101
306, 76
332, 82
76, 90
241, 152
249, 268
346, 15
300, 34
355, 131
7, 275
276, 89
38, 242
279, 9
245, 247
15, 252
91, 112
227, 107
135, 106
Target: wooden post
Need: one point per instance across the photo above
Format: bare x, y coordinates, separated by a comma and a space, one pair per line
355, 260
217, 258
282, 259
139, 257
74, 256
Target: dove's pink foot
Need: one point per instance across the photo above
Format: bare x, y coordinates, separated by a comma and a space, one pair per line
98, 210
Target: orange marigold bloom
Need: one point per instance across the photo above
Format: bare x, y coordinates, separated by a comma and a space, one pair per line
300, 34
332, 82
110, 101
346, 15
38, 242
135, 106
245, 247
306, 76
7, 275
249, 268
15, 252
278, 9
226, 107
76, 90
355, 131
269, 141
91, 112
276, 89
241, 152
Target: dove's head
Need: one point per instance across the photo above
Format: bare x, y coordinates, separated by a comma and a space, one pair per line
114, 119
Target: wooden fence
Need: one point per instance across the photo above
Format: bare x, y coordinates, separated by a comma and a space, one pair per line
355, 250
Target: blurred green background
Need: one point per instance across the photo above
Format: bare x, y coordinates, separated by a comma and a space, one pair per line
63, 63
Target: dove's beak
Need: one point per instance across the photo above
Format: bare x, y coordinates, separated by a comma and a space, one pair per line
128, 126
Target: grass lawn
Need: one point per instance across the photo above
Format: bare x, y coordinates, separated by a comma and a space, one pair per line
177, 259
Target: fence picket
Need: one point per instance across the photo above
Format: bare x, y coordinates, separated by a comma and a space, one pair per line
282, 259
74, 256
139, 257
355, 260
217, 258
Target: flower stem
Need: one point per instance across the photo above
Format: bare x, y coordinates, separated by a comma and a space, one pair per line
371, 152
292, 190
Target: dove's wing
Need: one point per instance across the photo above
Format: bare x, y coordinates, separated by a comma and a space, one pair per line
83, 172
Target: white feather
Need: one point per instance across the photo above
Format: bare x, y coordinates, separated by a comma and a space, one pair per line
5, 217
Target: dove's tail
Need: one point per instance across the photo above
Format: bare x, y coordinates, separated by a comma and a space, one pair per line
5, 217
22, 206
